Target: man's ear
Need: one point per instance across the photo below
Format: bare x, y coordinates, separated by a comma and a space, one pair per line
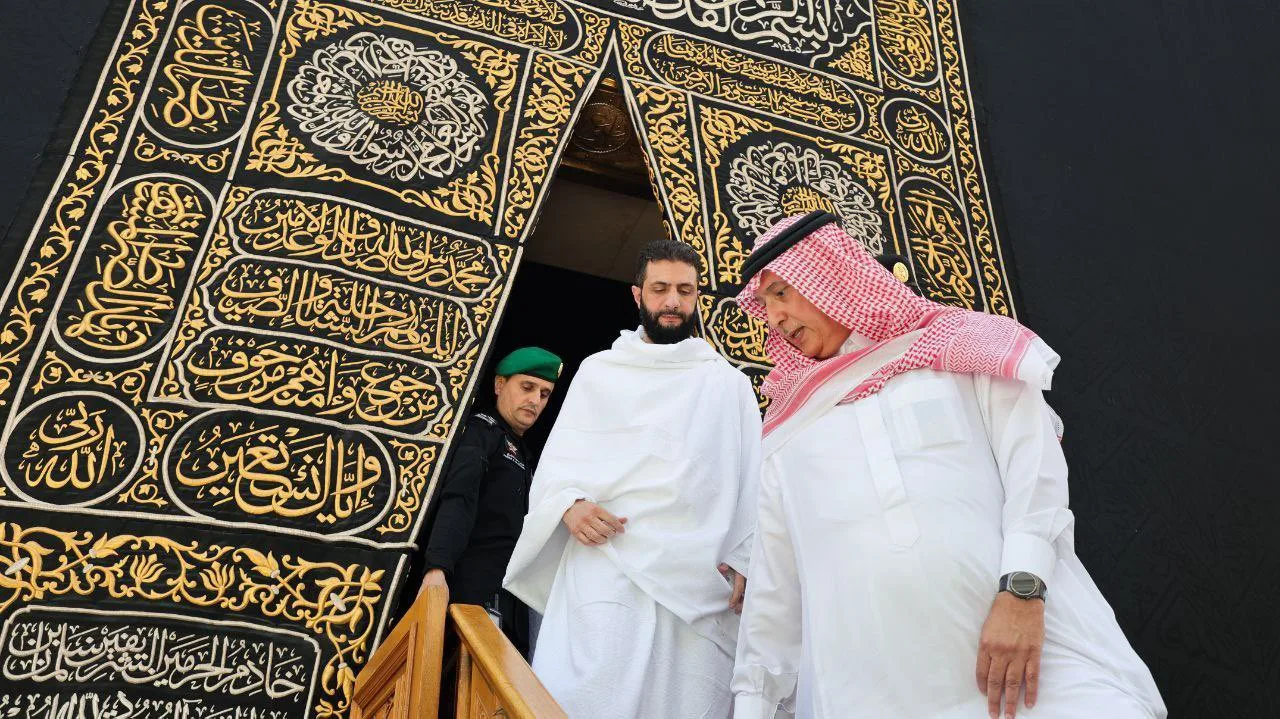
498, 384
635, 294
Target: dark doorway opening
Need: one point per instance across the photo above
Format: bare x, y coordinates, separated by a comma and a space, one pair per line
573, 314
572, 292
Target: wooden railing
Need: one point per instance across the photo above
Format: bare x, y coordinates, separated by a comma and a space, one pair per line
493, 679
402, 679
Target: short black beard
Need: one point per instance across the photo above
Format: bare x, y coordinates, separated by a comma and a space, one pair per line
661, 335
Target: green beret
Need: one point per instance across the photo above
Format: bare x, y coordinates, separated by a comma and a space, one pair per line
533, 361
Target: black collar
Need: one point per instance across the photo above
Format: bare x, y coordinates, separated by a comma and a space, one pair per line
762, 256
505, 426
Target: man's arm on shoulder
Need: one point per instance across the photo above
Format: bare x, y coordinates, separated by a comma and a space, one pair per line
768, 657
460, 494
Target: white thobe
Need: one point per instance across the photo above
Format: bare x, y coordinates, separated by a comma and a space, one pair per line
667, 436
884, 527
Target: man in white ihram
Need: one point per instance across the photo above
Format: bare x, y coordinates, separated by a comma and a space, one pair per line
643, 505
913, 552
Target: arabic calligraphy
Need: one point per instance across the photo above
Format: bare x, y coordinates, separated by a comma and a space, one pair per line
324, 303
541, 23
936, 234
336, 601
737, 77
209, 70
736, 335
906, 36
234, 466
279, 225
301, 377
402, 111
916, 130
776, 179
810, 27
124, 705
89, 649
73, 448
138, 268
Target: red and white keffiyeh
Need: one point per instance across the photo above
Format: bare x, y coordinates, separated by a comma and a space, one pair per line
835, 272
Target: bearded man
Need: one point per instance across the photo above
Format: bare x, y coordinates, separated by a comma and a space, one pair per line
642, 507
914, 553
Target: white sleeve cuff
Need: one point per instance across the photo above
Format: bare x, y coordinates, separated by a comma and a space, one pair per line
740, 557
753, 706
1029, 553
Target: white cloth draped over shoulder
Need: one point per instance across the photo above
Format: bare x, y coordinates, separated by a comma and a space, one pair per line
667, 436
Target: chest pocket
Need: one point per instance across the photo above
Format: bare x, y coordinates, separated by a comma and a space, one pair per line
890, 494
925, 413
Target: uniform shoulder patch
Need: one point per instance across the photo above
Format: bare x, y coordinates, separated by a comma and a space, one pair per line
486, 419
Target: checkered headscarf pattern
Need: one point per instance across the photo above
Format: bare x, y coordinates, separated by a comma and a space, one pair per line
832, 270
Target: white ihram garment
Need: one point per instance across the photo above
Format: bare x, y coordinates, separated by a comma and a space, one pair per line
667, 436
884, 527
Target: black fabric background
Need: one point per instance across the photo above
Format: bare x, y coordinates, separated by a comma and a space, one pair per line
1132, 149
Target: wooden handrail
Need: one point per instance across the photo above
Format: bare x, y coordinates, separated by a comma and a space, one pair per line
488, 656
402, 678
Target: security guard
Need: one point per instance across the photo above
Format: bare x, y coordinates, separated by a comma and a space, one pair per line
485, 493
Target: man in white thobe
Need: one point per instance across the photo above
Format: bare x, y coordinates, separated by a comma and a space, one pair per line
641, 516
913, 555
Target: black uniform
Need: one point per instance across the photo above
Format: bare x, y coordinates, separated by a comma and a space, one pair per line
482, 503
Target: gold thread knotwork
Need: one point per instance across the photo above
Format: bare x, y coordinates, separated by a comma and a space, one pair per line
146, 490
932, 93
633, 37
416, 462
146, 150
472, 197
980, 226
906, 167
332, 601
666, 124
553, 89
312, 19
276, 151
56, 371
595, 33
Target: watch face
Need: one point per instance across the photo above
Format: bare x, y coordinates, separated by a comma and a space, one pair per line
1023, 584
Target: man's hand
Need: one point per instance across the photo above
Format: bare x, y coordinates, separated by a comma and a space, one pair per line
1009, 652
590, 524
739, 586
434, 578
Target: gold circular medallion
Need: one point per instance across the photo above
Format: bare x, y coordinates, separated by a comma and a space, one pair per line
901, 272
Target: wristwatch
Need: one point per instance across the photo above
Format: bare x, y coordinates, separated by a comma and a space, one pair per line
1023, 585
